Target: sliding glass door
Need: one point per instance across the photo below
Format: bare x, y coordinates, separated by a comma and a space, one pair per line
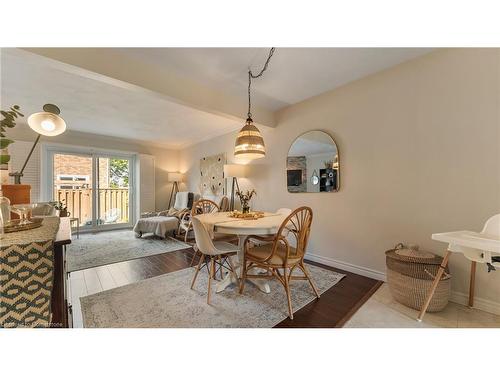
113, 193
72, 181
97, 188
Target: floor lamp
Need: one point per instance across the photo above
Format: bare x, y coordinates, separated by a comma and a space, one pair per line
175, 178
234, 171
47, 123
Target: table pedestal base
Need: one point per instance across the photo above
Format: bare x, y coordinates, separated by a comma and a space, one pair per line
230, 279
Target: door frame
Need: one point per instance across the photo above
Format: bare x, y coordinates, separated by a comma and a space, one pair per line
47, 179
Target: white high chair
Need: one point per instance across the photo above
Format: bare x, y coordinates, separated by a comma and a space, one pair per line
483, 247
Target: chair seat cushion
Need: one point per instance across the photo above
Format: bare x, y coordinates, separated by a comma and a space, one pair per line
158, 225
260, 253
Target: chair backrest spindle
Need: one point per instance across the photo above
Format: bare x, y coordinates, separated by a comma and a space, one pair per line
204, 206
297, 224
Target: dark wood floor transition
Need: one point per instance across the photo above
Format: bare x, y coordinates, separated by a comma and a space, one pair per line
333, 309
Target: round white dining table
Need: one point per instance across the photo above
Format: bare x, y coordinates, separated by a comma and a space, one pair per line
220, 222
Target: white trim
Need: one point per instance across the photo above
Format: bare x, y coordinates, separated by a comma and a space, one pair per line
76, 149
479, 303
359, 270
457, 297
49, 149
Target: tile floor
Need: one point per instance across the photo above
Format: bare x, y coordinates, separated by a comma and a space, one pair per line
382, 311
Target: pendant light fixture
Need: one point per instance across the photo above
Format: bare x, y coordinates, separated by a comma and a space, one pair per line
249, 142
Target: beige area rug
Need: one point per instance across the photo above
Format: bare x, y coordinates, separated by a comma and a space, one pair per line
167, 301
99, 249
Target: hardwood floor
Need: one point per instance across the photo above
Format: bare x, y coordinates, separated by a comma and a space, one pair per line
333, 309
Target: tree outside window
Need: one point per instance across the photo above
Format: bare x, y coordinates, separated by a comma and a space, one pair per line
118, 173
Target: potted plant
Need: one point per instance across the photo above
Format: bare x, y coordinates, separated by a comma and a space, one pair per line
8, 121
61, 207
245, 200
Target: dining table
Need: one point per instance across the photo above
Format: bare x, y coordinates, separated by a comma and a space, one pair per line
222, 222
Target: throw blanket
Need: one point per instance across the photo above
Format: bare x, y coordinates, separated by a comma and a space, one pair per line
183, 200
173, 212
183, 203
159, 225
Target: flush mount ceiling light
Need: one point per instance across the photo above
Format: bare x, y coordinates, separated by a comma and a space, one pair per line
249, 142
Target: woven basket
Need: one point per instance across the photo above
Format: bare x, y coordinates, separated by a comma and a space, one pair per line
410, 274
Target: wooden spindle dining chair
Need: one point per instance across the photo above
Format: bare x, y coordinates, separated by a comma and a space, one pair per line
279, 254
200, 206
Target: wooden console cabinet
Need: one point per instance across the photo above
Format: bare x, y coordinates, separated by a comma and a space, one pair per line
59, 298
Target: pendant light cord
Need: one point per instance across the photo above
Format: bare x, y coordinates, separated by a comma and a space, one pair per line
251, 75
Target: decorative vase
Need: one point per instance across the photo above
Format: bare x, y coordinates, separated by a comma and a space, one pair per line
64, 213
245, 200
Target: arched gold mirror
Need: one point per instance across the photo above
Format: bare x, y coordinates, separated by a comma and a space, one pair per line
312, 164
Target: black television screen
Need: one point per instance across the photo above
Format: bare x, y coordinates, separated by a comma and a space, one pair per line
294, 177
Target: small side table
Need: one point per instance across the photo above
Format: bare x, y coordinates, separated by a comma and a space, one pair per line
77, 220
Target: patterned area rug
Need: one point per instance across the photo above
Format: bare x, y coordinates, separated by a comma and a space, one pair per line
167, 301
99, 249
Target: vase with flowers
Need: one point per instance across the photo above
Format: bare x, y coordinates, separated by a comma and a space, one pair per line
245, 199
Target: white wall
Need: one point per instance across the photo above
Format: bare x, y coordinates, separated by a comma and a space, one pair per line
419, 152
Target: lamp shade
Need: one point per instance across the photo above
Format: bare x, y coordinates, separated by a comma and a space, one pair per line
48, 122
234, 170
249, 142
174, 177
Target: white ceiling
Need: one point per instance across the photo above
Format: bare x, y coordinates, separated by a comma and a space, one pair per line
94, 106
91, 104
293, 75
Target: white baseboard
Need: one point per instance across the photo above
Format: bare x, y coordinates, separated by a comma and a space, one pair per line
359, 270
479, 303
457, 297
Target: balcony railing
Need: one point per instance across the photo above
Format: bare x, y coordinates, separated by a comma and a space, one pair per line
113, 204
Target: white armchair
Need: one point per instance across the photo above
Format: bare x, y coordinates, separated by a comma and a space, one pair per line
43, 209
162, 222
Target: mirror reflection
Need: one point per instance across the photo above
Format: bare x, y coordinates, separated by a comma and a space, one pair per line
313, 164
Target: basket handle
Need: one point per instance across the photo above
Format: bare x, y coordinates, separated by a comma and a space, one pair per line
445, 274
399, 246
